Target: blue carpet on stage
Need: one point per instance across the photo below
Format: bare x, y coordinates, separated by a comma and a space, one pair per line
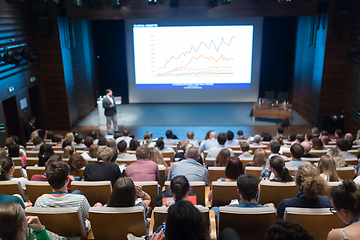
176, 116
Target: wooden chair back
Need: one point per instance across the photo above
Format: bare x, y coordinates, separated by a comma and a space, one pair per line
151, 188
32, 161
125, 161
11, 188
209, 160
223, 193
72, 225
94, 191
353, 162
32, 153
18, 172
256, 171
253, 148
319, 153
198, 188
354, 152
346, 172
35, 189
162, 175
109, 223
246, 161
18, 161
78, 172
59, 152
168, 154
249, 223
215, 173
331, 185
275, 192
306, 217
31, 171
160, 214
286, 154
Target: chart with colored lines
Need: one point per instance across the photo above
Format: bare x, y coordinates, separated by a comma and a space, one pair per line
202, 55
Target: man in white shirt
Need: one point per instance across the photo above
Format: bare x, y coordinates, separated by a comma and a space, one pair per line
190, 136
125, 136
213, 152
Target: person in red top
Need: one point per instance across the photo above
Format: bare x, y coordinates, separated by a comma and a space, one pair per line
43, 178
143, 169
338, 134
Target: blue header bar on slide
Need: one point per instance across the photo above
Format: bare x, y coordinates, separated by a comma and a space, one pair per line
144, 25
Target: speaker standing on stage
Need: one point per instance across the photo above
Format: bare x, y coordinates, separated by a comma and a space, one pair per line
110, 110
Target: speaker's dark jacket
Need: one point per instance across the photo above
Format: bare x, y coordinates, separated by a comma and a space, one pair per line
109, 111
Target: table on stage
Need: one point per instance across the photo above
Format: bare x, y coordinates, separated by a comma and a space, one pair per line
263, 110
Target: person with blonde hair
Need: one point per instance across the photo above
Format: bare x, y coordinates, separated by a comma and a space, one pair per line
68, 151
3, 153
311, 188
317, 144
339, 159
69, 136
260, 158
327, 169
156, 156
345, 200
111, 143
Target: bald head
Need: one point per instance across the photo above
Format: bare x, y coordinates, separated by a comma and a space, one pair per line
257, 138
212, 135
349, 137
306, 146
190, 135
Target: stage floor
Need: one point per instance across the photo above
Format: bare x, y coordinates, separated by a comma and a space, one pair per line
183, 117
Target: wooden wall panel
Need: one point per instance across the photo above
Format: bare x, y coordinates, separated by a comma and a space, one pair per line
193, 8
17, 27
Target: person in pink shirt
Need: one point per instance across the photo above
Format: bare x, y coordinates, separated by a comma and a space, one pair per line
143, 169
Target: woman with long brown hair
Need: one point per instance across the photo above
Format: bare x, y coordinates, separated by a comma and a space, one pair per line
327, 169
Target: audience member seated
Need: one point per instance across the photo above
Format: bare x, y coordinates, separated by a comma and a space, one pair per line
317, 144
7, 169
68, 151
160, 146
213, 152
43, 178
134, 144
15, 225
274, 149
179, 213
181, 151
143, 169
170, 139
46, 148
267, 137
230, 142
70, 137
37, 142
245, 150
156, 157
189, 167
325, 140
280, 131
221, 159
78, 139
292, 137
66, 143
15, 150
240, 135
125, 136
111, 143
315, 132
233, 170
297, 151
88, 142
308, 137
307, 147
76, 162
43, 159
300, 138
349, 137
124, 195
278, 169
3, 153
257, 141
344, 146
94, 135
190, 137
179, 190
103, 169
339, 159
327, 169
357, 140
148, 140
122, 151
210, 142
58, 139
260, 159
338, 134
345, 199
58, 177
102, 141
285, 230
311, 186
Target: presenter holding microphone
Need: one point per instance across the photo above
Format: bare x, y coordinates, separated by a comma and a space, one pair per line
110, 110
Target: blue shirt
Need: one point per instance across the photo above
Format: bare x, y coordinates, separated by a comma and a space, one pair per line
189, 168
301, 201
210, 143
